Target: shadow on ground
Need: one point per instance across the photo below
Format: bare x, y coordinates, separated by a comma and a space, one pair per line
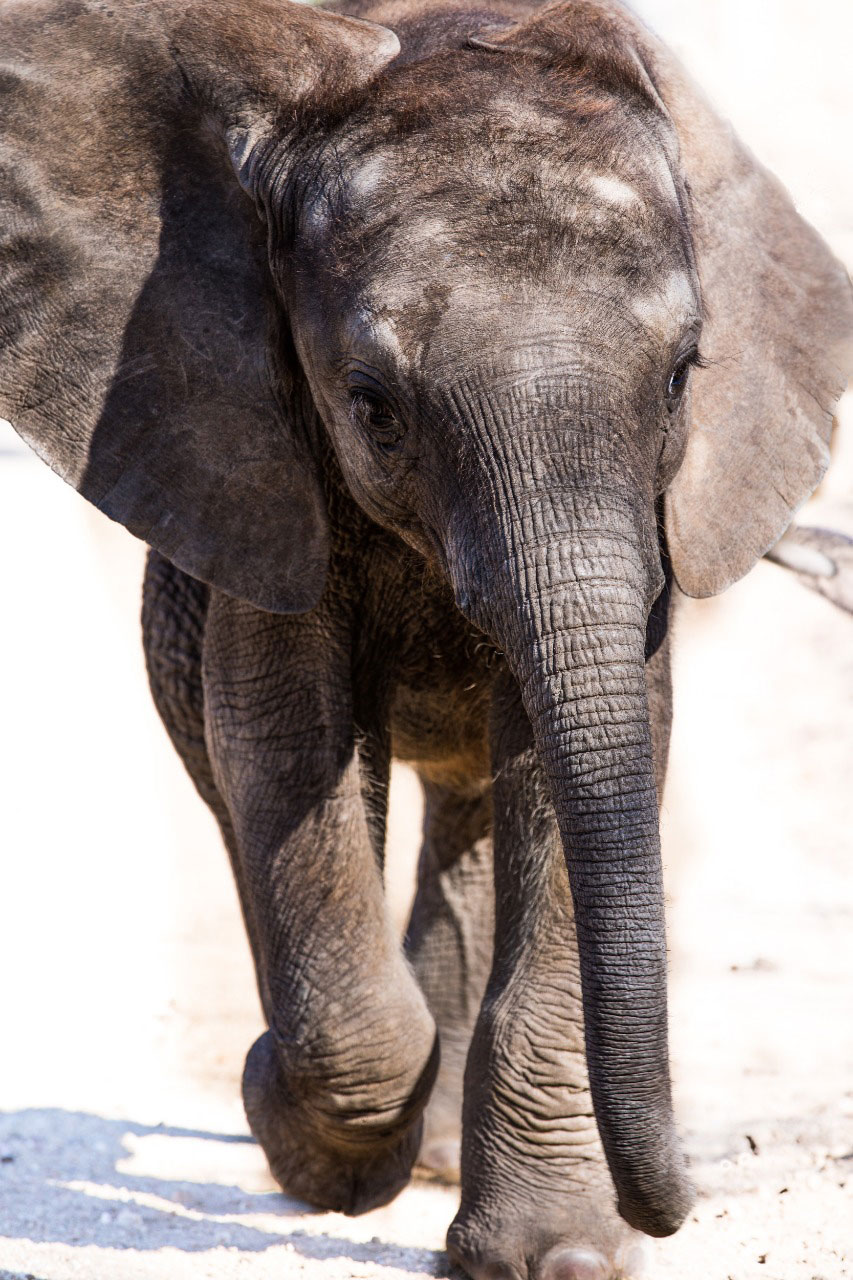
64, 1177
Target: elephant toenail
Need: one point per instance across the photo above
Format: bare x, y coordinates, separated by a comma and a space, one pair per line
574, 1264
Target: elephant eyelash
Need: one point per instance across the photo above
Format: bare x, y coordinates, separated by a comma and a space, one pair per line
375, 418
678, 377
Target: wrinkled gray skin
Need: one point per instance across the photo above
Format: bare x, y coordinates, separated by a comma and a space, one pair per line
416, 404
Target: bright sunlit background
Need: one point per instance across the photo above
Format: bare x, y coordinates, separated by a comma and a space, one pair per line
127, 999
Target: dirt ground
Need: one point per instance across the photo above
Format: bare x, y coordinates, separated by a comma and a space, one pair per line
127, 999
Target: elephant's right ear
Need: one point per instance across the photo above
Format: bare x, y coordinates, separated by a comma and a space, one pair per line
138, 351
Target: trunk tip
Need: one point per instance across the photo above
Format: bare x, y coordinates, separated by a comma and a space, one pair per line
659, 1214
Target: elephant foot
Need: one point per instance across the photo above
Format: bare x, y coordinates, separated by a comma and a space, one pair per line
347, 1162
581, 1241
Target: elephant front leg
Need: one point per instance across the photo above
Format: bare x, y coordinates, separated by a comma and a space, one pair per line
537, 1199
334, 1089
449, 943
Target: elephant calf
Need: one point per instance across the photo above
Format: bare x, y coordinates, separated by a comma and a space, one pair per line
426, 360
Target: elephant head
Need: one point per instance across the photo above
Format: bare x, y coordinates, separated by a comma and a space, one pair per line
526, 293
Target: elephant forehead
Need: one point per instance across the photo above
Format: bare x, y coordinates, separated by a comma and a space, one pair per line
496, 192
528, 201
558, 227
481, 330
526, 166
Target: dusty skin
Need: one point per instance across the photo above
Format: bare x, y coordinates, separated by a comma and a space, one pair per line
127, 999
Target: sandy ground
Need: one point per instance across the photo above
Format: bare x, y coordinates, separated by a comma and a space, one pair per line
127, 999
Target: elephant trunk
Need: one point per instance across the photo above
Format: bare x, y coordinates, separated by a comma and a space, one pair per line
571, 618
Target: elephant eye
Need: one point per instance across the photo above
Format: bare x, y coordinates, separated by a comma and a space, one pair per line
377, 420
678, 378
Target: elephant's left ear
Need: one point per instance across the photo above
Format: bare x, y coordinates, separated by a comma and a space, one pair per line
777, 340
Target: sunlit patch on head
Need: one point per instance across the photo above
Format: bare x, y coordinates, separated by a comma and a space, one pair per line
428, 228
385, 336
662, 308
378, 334
365, 180
613, 191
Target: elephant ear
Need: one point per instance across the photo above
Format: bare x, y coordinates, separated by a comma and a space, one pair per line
139, 346
778, 342
778, 328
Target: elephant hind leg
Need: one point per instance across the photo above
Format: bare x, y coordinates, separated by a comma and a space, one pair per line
449, 943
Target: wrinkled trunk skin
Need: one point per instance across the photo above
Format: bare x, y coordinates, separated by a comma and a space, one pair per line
568, 594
